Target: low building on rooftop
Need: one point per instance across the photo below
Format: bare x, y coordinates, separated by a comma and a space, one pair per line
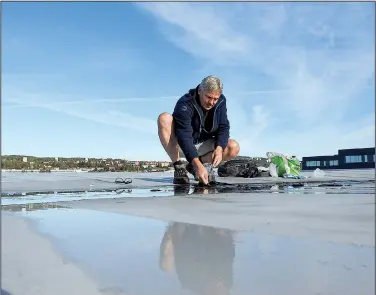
357, 158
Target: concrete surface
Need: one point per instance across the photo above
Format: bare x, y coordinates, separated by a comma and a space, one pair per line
30, 265
161, 239
342, 218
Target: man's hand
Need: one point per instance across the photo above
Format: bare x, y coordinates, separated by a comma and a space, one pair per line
201, 172
217, 156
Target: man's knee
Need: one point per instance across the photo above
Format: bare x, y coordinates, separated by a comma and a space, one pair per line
233, 148
165, 120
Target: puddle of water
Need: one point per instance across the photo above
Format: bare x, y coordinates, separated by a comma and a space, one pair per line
30, 207
292, 188
180, 190
76, 196
133, 255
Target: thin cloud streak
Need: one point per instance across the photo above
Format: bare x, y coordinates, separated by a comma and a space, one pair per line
19, 103
86, 101
108, 117
91, 110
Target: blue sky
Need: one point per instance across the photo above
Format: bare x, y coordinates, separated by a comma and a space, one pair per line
90, 79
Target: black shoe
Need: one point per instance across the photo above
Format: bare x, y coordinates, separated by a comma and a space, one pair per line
192, 170
180, 174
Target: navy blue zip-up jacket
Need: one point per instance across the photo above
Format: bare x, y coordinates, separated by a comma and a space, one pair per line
190, 126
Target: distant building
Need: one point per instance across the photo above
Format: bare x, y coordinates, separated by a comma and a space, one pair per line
359, 158
57, 159
24, 159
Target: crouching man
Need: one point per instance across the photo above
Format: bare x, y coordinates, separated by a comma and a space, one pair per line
199, 130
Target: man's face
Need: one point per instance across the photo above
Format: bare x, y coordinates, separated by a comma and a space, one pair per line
208, 99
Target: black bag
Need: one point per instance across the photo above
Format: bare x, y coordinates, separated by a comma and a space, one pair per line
246, 168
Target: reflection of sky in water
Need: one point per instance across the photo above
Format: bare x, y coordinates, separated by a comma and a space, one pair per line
61, 197
169, 191
124, 253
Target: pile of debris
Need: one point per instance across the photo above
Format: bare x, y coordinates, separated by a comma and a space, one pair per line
273, 165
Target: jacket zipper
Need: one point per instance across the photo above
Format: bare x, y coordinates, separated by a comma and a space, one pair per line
215, 112
201, 121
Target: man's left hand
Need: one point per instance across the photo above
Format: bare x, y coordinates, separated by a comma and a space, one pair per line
217, 156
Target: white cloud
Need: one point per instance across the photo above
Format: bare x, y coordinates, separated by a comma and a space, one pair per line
250, 136
202, 31
322, 54
324, 139
299, 61
95, 112
23, 104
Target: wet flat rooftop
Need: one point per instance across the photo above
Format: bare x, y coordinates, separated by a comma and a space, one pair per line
258, 236
30, 183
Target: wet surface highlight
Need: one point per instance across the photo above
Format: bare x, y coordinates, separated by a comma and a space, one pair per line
129, 255
335, 187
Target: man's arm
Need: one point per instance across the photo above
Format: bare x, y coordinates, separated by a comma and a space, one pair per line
183, 130
223, 134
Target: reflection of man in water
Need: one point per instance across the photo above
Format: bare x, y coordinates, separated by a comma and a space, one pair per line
202, 256
183, 190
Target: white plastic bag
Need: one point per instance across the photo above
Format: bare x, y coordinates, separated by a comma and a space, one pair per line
318, 173
284, 164
273, 170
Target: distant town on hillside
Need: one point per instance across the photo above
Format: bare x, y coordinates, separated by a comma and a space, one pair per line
51, 164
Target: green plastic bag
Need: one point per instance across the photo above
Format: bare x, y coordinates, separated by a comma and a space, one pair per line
284, 164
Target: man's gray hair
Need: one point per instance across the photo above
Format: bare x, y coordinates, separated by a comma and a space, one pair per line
211, 84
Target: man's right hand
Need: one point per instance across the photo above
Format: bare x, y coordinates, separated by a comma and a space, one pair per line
201, 171
202, 174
